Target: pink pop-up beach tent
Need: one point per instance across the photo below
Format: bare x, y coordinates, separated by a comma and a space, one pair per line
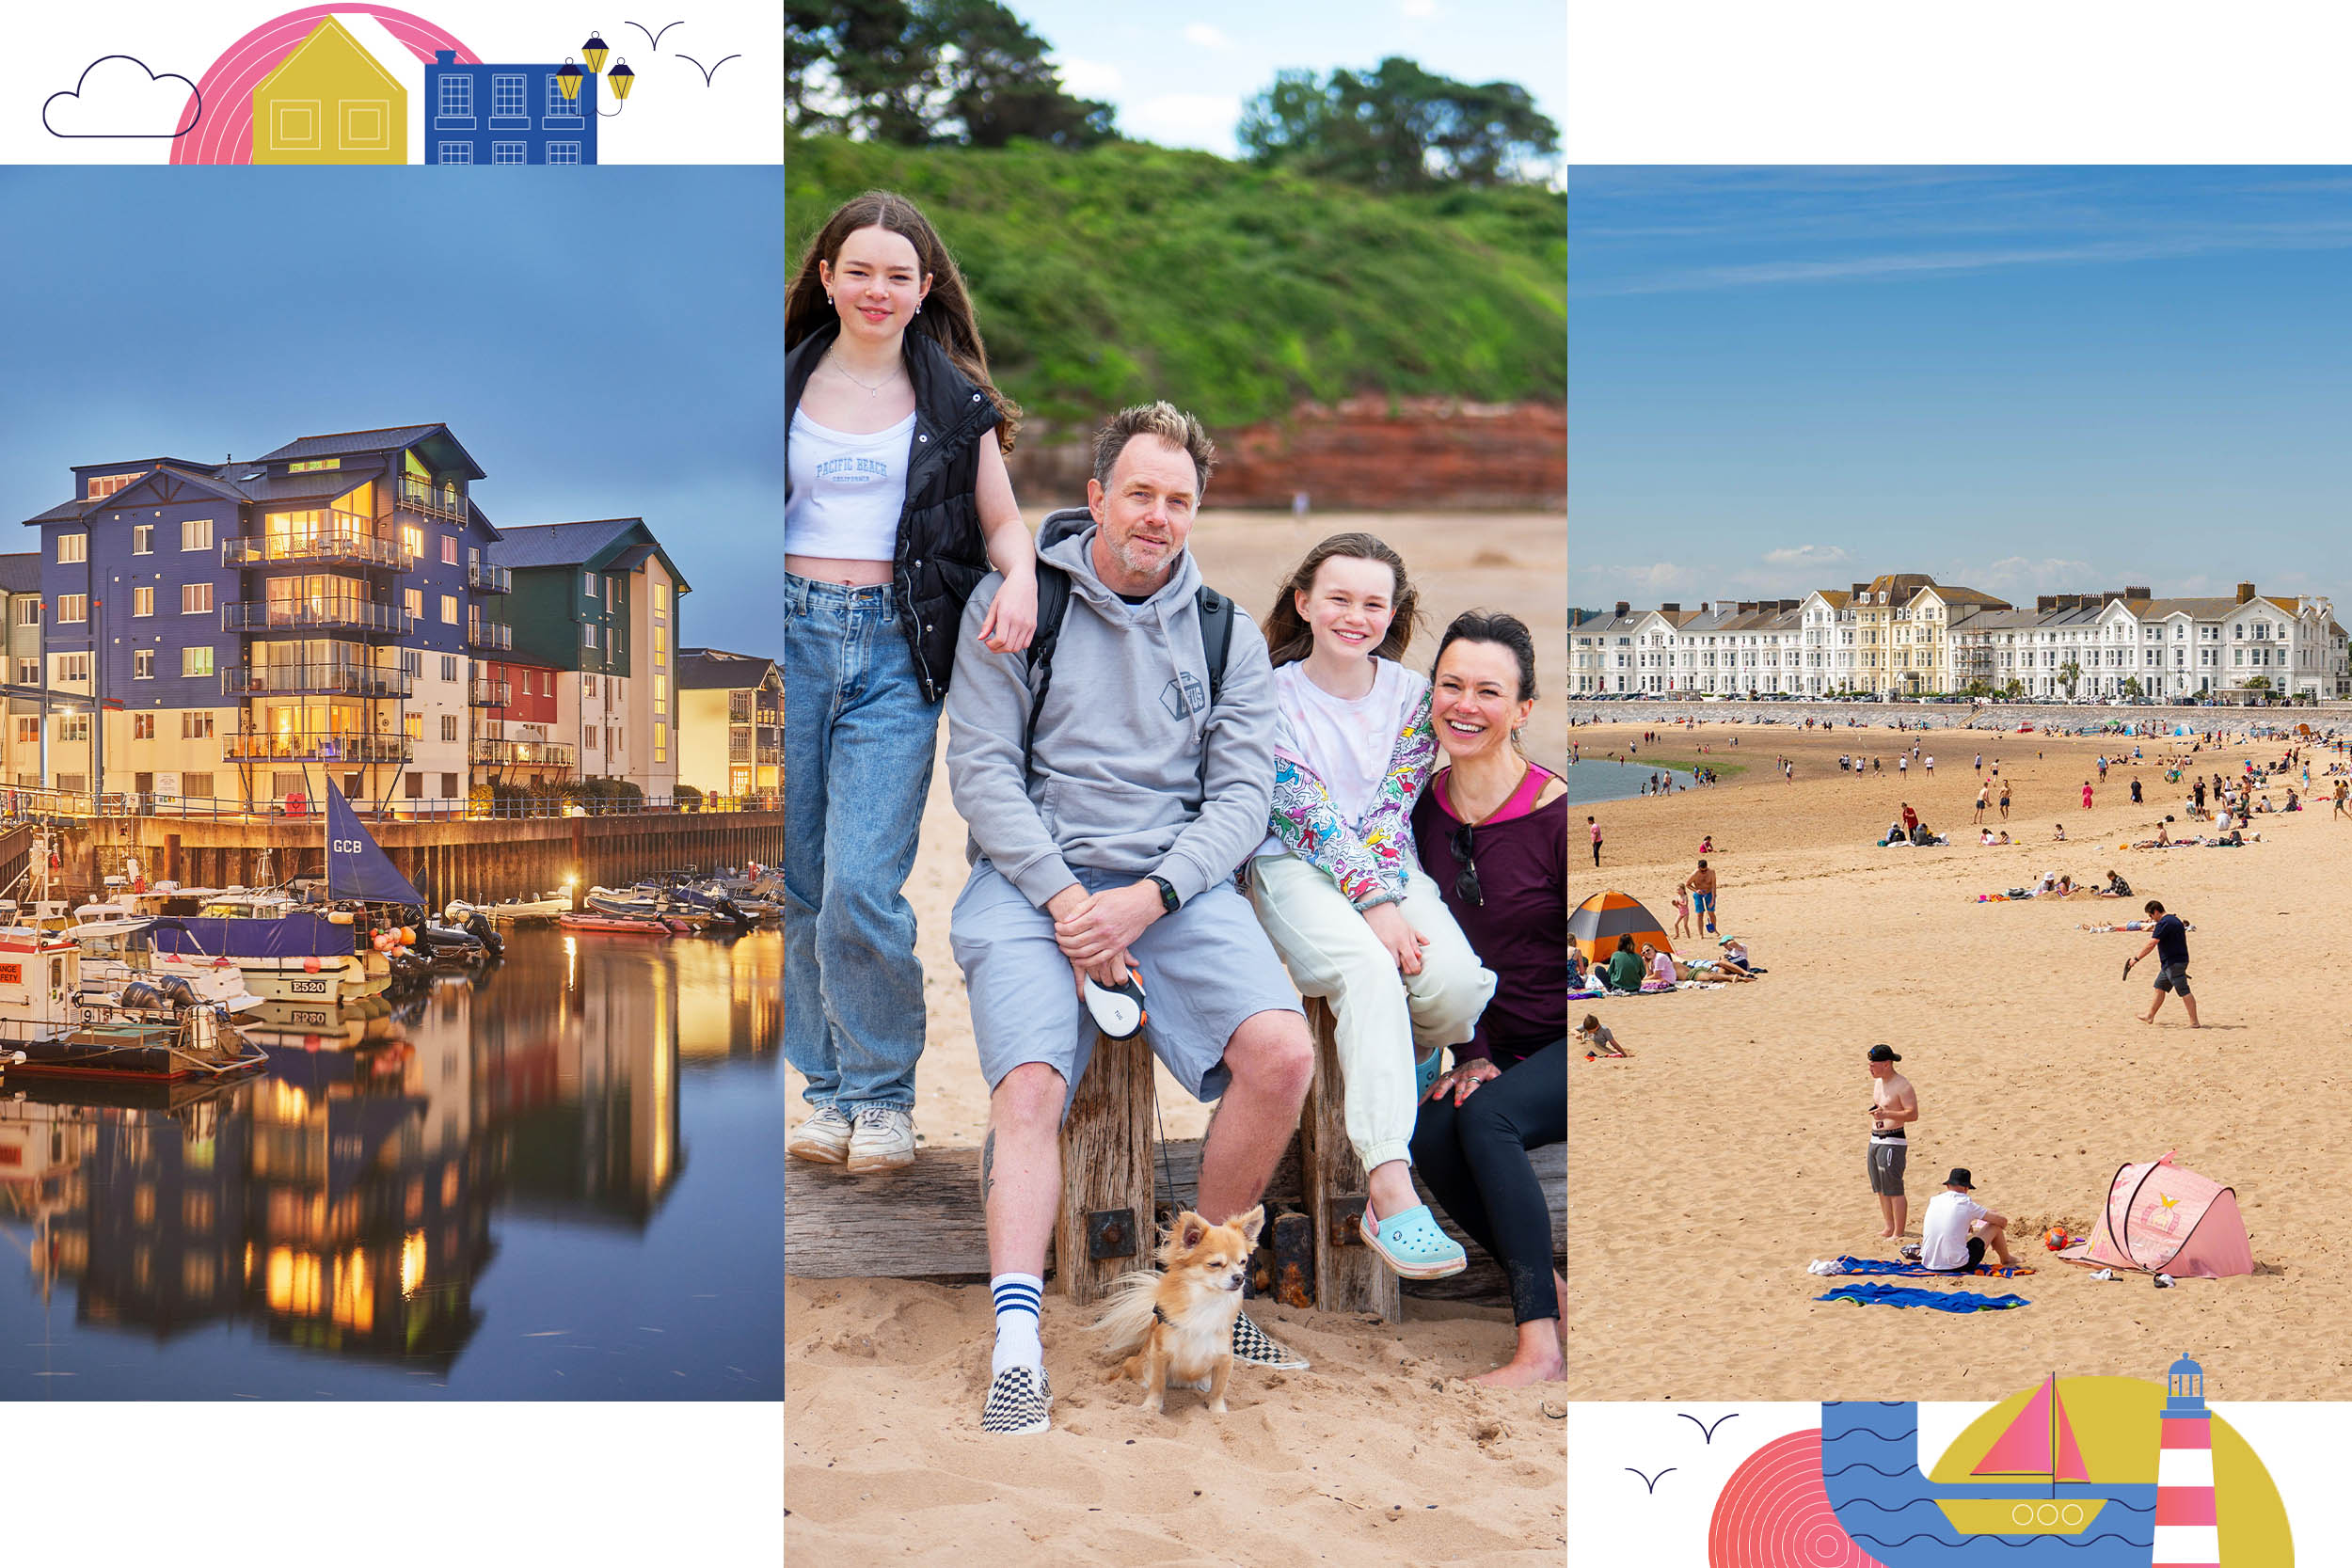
2164, 1218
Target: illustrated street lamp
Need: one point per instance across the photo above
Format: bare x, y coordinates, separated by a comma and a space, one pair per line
620, 78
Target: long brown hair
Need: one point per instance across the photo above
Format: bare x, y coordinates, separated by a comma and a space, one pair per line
1288, 638
947, 312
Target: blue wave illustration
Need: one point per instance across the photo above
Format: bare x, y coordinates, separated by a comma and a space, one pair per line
2021, 1544
1866, 1465
1873, 1502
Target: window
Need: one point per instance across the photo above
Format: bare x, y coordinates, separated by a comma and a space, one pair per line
196, 786
143, 539
660, 597
504, 154
608, 593
662, 693
661, 645
73, 726
28, 732
414, 782
72, 607
506, 94
314, 464
448, 667
564, 152
590, 738
195, 533
449, 549
411, 661
448, 786
28, 672
142, 664
589, 582
456, 94
196, 661
196, 724
587, 685
412, 600
456, 152
448, 610
412, 724
28, 611
142, 726
411, 541
559, 105
195, 598
101, 488
142, 601
588, 635
448, 726
661, 743
72, 549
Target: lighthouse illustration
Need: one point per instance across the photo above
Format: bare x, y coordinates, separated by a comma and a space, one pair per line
2188, 1534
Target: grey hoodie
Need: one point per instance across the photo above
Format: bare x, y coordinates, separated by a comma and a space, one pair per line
1116, 782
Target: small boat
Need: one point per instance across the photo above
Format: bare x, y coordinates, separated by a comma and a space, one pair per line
116, 951
2038, 1445
640, 925
52, 1027
518, 909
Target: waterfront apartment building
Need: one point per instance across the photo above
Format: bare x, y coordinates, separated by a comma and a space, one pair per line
20, 612
600, 603
1601, 652
2126, 643
508, 116
242, 630
730, 722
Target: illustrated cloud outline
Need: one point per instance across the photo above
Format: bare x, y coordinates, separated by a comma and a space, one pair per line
123, 135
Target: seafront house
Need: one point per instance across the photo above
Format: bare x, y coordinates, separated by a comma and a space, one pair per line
20, 612
330, 101
730, 722
245, 629
1601, 651
599, 604
507, 115
1825, 619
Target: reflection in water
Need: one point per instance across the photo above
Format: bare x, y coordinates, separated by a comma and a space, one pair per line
348, 1200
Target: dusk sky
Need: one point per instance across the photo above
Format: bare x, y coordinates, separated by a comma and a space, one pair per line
2018, 380
606, 343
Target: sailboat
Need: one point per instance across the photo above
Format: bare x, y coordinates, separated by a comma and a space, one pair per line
2039, 1443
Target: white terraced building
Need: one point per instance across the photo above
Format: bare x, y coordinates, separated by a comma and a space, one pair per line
2129, 644
1600, 651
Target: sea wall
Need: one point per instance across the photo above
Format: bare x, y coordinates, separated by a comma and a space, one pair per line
2066, 719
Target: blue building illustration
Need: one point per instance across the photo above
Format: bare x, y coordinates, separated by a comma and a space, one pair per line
506, 113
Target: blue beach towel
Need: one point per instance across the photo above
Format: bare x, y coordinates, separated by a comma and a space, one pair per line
1850, 1265
1905, 1295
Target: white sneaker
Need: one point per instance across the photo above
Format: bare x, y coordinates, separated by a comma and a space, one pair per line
882, 1139
823, 1139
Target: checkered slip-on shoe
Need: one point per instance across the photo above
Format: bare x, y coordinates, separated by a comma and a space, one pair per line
1018, 1402
1250, 1344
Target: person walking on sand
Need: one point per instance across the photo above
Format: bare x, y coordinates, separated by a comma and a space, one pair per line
2004, 800
2085, 795
1682, 910
1931, 765
1957, 1230
2343, 791
1894, 1106
1702, 885
2169, 941
1983, 792
1595, 828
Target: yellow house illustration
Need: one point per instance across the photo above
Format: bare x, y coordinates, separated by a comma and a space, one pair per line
330, 101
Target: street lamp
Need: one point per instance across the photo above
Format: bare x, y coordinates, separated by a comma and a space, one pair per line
594, 51
620, 78
567, 80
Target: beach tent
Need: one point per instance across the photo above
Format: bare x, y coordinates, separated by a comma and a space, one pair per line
2164, 1218
1596, 925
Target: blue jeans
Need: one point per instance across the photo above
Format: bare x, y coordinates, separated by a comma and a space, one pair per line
858, 740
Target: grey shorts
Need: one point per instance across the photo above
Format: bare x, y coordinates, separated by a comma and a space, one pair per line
1206, 968
1887, 1162
2174, 978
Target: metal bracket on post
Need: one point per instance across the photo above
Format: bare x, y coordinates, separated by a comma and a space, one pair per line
1346, 1213
1110, 1233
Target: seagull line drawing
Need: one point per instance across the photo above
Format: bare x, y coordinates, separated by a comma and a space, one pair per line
1708, 1431
1652, 1481
698, 65
653, 39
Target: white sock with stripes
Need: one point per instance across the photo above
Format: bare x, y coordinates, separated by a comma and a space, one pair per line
1017, 1344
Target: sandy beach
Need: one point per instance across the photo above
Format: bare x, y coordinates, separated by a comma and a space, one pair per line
1380, 1453
1706, 1172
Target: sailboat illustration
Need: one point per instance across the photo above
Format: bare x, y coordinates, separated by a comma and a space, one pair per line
2039, 1443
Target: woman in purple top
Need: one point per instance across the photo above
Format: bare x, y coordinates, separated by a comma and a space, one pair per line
1492, 831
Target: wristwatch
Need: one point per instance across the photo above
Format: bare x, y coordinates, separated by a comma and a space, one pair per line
1169, 901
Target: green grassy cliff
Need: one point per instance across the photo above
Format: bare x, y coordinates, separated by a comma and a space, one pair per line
1130, 271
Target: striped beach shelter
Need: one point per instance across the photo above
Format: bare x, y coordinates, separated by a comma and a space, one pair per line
1596, 925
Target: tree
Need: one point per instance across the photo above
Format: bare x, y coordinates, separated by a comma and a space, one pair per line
1397, 128
919, 73
2132, 687
2070, 675
2015, 689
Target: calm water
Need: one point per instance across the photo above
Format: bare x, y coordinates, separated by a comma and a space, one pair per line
558, 1178
1598, 779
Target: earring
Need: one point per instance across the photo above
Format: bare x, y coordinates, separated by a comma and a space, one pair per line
829, 297
918, 306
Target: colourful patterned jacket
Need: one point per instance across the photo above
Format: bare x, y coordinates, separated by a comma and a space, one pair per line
1369, 860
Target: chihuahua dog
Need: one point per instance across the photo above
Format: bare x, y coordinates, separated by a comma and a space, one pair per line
1178, 1319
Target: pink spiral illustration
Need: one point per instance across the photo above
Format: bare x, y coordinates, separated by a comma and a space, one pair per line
225, 135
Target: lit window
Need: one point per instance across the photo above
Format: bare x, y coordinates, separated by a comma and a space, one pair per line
196, 661
101, 488
72, 549
143, 539
456, 152
72, 669
449, 549
142, 664
143, 725
195, 598
72, 607
73, 726
195, 533
448, 610
587, 636
412, 600
142, 601
314, 464
507, 154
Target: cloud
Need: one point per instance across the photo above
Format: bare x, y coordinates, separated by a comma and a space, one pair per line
1623, 579
124, 99
1805, 555
1186, 120
1206, 35
1418, 9
1087, 78
2024, 574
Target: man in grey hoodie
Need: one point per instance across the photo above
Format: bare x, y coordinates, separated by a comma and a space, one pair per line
1108, 846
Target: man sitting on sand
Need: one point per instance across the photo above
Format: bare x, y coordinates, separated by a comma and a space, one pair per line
1894, 1105
1158, 794
1957, 1230
2169, 941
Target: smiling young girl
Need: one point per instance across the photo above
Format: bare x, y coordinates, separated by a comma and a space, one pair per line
1336, 884
895, 503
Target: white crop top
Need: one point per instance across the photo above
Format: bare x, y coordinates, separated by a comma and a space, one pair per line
847, 491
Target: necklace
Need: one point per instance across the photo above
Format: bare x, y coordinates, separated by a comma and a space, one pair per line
874, 391
1453, 796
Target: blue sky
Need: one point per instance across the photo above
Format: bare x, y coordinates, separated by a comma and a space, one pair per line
606, 343
1179, 75
2020, 380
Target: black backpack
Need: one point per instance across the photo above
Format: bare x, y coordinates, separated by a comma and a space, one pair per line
1052, 603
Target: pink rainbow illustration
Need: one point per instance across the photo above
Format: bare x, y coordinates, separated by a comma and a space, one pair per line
225, 134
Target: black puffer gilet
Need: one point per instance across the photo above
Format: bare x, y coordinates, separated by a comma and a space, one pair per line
942, 555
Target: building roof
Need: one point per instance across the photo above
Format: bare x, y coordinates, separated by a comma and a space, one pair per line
562, 543
708, 669
390, 438
1963, 596
21, 573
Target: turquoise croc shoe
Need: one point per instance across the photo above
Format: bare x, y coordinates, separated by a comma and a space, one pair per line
1425, 1072
1412, 1245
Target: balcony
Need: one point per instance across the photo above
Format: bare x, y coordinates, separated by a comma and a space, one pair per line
333, 549
488, 693
485, 578
333, 680
366, 618
318, 745
414, 495
496, 636
522, 754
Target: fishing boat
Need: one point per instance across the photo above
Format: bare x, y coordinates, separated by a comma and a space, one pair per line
515, 909
61, 1029
282, 951
2038, 1443
118, 951
640, 925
